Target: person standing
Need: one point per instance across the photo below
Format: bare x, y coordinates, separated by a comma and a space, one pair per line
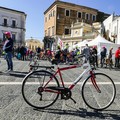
65, 53
117, 57
86, 52
110, 57
94, 53
23, 51
38, 50
8, 47
103, 54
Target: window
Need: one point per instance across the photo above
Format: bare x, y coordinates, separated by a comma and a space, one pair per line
67, 12
94, 18
13, 23
79, 15
45, 32
5, 22
87, 16
14, 37
76, 32
53, 12
49, 16
45, 19
67, 31
53, 30
4, 37
48, 31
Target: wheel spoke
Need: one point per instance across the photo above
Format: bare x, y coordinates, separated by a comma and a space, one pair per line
98, 93
34, 92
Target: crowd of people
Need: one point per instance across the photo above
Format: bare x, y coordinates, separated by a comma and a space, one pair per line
104, 59
61, 55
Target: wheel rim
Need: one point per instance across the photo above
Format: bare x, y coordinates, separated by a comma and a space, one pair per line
96, 100
30, 90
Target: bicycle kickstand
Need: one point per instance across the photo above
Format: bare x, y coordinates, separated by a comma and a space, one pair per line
73, 100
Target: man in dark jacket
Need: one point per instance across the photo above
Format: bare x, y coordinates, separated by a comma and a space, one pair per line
103, 54
86, 52
94, 53
8, 47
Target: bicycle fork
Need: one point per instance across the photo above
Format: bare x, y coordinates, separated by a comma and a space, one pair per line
94, 82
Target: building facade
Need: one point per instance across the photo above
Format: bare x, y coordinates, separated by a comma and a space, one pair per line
13, 21
59, 17
111, 27
80, 31
32, 44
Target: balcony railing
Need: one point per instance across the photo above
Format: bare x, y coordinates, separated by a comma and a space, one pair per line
66, 36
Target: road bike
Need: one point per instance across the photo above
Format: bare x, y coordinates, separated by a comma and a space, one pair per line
41, 88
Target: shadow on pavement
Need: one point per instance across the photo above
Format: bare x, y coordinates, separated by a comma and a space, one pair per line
15, 74
84, 113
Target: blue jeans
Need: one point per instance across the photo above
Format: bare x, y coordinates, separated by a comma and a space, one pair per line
9, 60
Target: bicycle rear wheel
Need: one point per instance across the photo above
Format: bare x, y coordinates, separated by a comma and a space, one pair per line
99, 92
35, 91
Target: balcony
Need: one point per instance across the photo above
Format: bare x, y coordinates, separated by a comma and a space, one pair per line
13, 26
89, 35
5, 24
66, 36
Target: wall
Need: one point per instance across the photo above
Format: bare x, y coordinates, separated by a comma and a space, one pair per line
19, 29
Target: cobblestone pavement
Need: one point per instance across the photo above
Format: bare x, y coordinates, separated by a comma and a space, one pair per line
13, 107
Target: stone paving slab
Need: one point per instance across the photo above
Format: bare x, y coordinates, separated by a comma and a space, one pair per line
13, 107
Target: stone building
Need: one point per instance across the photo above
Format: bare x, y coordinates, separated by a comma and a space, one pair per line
80, 31
13, 21
59, 17
111, 28
32, 44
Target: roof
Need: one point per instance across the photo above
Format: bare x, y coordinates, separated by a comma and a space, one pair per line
99, 39
12, 10
59, 2
33, 40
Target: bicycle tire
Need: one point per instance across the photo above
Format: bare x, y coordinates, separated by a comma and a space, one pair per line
96, 100
33, 83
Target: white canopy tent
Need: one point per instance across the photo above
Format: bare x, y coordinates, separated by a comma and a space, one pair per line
99, 41
81, 44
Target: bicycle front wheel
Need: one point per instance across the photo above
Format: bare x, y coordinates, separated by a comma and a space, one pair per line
36, 89
98, 92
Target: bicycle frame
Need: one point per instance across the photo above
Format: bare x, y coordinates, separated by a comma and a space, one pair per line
87, 69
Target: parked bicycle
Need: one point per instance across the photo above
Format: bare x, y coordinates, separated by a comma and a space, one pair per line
41, 89
34, 61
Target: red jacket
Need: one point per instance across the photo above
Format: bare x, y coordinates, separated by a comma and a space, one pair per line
117, 53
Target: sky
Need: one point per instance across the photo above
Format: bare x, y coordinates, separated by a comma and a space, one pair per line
35, 11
